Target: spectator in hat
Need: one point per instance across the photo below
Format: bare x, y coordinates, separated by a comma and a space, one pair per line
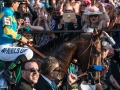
95, 19
106, 71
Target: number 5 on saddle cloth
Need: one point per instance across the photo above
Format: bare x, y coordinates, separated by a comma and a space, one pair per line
9, 73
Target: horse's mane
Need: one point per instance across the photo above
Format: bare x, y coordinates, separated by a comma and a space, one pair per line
58, 41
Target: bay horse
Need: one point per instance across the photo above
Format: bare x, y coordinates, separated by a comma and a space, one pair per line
85, 47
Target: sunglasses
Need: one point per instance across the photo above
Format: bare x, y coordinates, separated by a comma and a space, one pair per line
32, 70
57, 13
83, 5
58, 70
93, 15
68, 10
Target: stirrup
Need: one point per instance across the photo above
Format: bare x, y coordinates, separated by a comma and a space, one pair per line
9, 77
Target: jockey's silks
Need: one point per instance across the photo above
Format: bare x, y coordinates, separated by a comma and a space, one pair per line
8, 27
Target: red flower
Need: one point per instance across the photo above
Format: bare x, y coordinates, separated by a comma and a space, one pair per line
87, 2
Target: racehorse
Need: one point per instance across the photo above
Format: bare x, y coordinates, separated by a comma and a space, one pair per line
85, 47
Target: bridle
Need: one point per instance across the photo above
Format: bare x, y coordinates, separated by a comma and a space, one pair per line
89, 46
89, 60
88, 70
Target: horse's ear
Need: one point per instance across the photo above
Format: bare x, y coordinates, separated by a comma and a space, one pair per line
95, 31
100, 32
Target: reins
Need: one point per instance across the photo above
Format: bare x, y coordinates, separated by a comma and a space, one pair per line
91, 44
36, 51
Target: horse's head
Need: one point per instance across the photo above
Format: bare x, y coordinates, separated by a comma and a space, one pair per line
88, 54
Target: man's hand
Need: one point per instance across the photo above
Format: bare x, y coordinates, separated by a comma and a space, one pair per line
27, 2
24, 40
71, 78
105, 70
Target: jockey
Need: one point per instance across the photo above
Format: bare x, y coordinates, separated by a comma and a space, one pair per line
9, 51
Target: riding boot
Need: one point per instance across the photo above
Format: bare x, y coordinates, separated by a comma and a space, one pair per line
9, 74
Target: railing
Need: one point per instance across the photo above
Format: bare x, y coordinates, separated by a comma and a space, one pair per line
68, 31
115, 33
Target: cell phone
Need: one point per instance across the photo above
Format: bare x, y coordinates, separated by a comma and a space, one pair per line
27, 19
68, 16
106, 1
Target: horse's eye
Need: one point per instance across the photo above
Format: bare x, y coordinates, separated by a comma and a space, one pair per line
97, 54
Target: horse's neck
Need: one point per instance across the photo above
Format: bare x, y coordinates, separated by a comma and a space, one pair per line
65, 55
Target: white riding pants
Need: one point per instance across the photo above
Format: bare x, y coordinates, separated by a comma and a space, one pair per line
10, 52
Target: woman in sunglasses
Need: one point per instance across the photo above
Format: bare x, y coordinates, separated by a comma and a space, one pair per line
95, 19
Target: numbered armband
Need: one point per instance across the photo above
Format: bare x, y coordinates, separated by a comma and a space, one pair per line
7, 21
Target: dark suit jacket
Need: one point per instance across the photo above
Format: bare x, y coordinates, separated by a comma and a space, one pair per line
44, 85
23, 85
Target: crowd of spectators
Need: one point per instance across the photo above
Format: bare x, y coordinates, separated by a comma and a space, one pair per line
55, 15
51, 16
84, 15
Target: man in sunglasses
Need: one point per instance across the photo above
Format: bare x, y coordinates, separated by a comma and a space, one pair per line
50, 71
30, 75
